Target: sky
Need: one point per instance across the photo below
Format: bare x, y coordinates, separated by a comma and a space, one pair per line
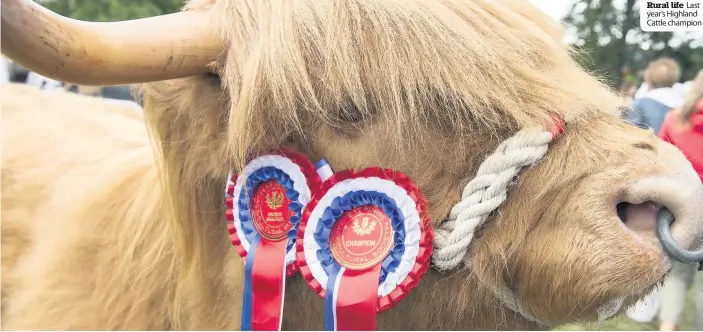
554, 8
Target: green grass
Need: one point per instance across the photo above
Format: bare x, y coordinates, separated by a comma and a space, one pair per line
622, 323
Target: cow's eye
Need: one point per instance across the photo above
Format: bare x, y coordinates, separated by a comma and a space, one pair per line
214, 76
350, 114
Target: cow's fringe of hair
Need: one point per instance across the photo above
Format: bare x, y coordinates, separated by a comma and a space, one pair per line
317, 62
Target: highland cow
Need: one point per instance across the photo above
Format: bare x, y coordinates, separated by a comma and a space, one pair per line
105, 227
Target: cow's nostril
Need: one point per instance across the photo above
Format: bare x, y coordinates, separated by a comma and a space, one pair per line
640, 217
621, 209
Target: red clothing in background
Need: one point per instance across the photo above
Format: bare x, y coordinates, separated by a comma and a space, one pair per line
688, 138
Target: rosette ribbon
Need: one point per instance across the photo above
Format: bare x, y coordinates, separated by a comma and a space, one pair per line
364, 242
264, 204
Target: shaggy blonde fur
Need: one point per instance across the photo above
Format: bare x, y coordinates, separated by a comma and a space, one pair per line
424, 87
61, 191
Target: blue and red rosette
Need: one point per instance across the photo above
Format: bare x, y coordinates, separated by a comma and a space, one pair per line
264, 206
364, 242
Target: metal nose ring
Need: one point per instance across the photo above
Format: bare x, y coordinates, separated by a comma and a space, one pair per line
671, 247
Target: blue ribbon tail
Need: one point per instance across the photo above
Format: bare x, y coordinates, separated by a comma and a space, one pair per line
247, 302
330, 299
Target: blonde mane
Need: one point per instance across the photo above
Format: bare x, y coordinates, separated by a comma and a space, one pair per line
449, 65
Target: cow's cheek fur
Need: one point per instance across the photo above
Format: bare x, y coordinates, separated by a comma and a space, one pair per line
564, 273
578, 255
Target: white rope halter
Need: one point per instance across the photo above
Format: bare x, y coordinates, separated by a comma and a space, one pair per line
483, 195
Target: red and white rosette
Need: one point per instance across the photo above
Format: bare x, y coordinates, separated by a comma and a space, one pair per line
264, 206
364, 242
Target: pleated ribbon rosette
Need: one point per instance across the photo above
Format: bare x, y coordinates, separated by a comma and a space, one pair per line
364, 242
264, 205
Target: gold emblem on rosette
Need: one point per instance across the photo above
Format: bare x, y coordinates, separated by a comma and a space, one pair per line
270, 212
361, 238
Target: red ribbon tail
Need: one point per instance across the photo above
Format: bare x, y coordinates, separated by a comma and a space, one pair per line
268, 276
356, 300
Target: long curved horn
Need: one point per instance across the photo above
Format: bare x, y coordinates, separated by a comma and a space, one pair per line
136, 51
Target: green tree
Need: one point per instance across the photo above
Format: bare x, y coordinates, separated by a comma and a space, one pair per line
112, 10
609, 37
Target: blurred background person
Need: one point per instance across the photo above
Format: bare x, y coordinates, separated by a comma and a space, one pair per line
643, 87
628, 90
42, 82
87, 90
628, 86
629, 79
684, 128
651, 108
